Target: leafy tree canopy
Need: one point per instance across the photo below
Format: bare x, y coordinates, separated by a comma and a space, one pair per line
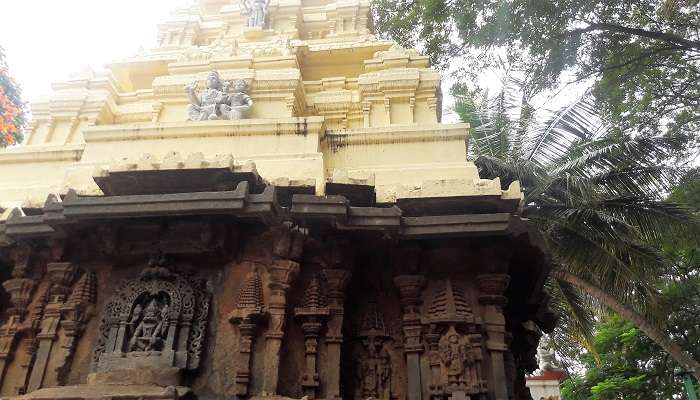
643, 56
12, 114
627, 364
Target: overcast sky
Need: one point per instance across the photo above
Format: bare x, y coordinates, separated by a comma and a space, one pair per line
46, 40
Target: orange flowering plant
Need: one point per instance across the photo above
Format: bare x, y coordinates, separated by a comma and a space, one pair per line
12, 110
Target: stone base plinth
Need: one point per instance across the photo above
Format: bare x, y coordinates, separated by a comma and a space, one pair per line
110, 392
142, 376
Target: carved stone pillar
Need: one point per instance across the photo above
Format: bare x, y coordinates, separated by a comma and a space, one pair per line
492, 287
248, 314
337, 280
312, 315
410, 288
61, 276
282, 273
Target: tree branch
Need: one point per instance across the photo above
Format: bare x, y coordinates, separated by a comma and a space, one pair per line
656, 35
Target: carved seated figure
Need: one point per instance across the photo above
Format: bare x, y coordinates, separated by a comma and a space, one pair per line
151, 328
215, 102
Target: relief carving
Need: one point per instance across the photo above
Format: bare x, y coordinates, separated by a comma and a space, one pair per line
312, 315
374, 370
155, 321
454, 343
248, 315
217, 101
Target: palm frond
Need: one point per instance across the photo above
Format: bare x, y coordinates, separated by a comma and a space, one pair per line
565, 126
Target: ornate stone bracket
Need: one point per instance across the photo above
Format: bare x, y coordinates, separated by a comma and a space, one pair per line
249, 313
312, 315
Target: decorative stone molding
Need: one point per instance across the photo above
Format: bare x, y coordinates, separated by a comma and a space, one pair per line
410, 289
61, 275
249, 313
492, 287
282, 273
336, 280
20, 291
312, 315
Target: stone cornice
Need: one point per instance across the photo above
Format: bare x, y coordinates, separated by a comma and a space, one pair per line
397, 134
172, 130
37, 154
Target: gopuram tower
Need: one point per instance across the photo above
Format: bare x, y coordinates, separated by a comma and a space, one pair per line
266, 205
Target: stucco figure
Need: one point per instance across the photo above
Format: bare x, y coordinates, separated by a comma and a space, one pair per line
256, 10
215, 102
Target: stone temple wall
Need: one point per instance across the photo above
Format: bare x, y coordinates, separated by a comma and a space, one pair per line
272, 311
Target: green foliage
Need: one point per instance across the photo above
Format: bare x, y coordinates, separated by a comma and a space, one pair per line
12, 114
643, 56
626, 364
593, 192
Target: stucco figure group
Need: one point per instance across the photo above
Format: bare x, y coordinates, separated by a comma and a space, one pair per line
220, 100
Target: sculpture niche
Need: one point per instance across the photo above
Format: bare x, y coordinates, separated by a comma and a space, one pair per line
155, 321
216, 101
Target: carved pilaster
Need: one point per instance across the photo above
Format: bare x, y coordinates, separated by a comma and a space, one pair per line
282, 274
410, 289
8, 333
61, 276
312, 316
76, 312
492, 287
337, 280
248, 314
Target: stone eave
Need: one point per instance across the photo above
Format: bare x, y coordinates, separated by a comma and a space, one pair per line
333, 212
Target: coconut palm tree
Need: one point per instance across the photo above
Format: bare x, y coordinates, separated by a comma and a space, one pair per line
594, 193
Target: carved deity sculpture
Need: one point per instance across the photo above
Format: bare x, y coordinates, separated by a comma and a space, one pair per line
215, 102
157, 320
256, 11
374, 366
150, 330
454, 355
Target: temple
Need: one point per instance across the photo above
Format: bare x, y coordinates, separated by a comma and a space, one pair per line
265, 205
